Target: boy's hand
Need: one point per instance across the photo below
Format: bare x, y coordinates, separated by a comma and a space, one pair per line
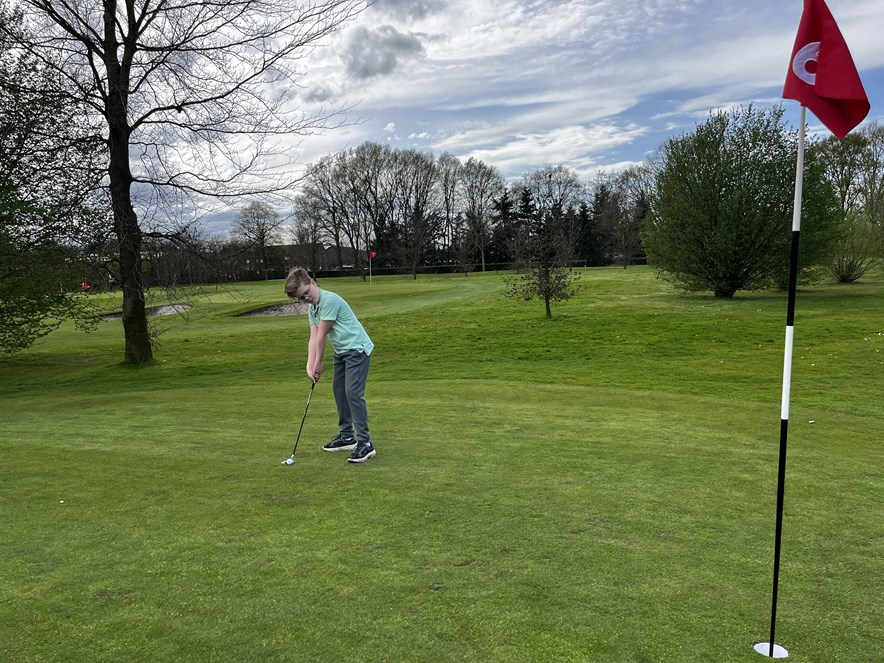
315, 372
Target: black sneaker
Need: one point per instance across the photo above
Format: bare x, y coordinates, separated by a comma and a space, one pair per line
363, 452
340, 444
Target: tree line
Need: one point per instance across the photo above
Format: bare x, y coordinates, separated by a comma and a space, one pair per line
417, 212
415, 209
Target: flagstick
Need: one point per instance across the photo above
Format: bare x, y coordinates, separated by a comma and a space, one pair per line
775, 651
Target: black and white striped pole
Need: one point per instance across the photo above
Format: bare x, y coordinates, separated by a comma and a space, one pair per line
770, 649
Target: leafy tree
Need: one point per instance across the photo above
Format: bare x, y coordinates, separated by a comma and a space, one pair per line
843, 163
857, 251
190, 96
855, 167
873, 179
49, 201
39, 277
721, 210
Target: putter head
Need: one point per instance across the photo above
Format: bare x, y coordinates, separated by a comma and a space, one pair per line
288, 461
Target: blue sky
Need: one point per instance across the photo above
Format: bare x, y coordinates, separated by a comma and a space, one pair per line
591, 84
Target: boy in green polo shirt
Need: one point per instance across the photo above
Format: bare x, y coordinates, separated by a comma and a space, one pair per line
332, 318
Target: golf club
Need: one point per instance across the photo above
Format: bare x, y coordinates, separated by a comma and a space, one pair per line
290, 461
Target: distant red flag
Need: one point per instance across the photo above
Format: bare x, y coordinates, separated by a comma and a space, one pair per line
372, 254
822, 75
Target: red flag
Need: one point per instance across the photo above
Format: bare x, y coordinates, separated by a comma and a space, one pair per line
822, 75
372, 254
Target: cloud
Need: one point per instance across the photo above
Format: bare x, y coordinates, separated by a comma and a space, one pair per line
502, 79
410, 10
518, 153
379, 51
319, 94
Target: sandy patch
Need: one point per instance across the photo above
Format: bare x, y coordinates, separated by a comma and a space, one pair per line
172, 309
293, 308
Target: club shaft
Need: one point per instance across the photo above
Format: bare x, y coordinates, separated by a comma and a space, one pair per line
303, 419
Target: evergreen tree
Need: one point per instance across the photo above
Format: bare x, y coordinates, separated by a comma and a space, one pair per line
503, 228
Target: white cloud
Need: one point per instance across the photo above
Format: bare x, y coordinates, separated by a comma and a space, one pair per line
588, 84
518, 153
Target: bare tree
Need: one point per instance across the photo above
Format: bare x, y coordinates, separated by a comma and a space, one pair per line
306, 233
482, 185
320, 202
543, 257
622, 211
416, 206
544, 267
555, 187
259, 225
449, 167
366, 176
190, 95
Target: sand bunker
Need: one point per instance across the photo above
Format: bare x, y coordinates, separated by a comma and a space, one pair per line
294, 308
155, 310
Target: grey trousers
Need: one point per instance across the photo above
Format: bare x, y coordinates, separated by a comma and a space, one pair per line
348, 384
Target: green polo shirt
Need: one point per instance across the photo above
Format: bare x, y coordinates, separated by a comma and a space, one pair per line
347, 333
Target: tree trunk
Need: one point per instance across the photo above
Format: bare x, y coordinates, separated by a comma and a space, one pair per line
138, 346
135, 330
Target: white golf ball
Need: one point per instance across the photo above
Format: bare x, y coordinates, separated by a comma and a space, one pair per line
61, 501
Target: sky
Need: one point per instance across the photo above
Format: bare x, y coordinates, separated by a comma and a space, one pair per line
588, 84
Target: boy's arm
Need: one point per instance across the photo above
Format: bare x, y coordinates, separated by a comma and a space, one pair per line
311, 352
316, 350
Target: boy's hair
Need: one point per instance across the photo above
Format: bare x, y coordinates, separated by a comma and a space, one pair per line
297, 277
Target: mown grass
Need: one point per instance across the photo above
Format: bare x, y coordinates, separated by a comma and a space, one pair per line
599, 486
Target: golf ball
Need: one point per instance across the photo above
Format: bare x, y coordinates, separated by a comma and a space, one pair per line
61, 501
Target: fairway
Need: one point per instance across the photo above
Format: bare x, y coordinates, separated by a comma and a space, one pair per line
599, 486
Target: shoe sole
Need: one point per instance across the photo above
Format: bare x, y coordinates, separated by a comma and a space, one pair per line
349, 447
370, 454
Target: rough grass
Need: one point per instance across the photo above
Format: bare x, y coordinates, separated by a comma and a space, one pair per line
599, 486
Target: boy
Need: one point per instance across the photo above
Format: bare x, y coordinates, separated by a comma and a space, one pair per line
331, 317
